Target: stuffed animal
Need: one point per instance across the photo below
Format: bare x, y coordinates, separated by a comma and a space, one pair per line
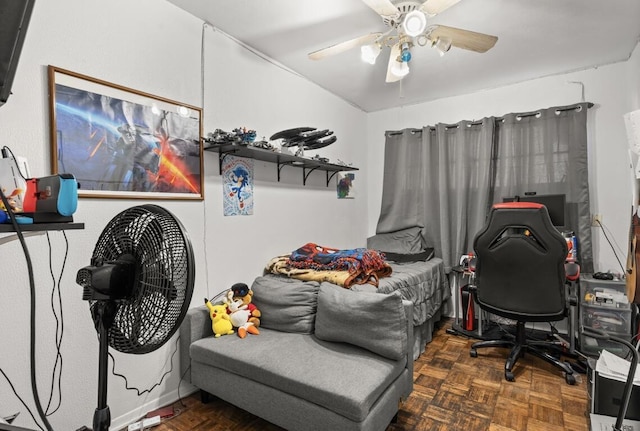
242, 292
220, 321
239, 316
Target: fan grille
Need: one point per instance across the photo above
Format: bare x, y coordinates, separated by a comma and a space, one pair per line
163, 282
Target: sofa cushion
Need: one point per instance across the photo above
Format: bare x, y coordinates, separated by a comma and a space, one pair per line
405, 241
286, 304
341, 377
373, 321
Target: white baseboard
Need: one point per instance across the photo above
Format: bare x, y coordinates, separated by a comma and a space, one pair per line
122, 421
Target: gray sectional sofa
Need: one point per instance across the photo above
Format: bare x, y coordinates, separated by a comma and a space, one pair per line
326, 358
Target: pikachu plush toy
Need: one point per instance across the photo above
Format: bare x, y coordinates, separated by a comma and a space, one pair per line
220, 321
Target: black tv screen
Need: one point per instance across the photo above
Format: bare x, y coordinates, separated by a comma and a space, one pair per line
14, 19
555, 204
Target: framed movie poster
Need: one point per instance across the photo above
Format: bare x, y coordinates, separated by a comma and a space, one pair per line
123, 143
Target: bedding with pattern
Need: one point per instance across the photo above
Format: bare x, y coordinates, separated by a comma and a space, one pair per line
346, 268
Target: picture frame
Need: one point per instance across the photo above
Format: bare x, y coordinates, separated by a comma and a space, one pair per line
123, 143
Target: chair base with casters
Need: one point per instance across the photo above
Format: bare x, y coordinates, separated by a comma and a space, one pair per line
519, 347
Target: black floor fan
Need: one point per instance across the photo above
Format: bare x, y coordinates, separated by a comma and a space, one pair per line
139, 286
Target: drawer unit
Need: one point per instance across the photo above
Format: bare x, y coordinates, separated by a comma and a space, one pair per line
601, 291
607, 319
604, 306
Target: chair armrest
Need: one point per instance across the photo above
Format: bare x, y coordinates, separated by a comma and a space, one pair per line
572, 270
196, 325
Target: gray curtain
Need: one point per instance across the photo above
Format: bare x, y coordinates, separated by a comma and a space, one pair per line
439, 178
546, 152
445, 178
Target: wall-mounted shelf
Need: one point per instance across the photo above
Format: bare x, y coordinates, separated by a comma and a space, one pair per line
8, 227
34, 229
282, 160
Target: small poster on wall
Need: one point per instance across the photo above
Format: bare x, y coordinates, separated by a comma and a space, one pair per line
237, 186
346, 189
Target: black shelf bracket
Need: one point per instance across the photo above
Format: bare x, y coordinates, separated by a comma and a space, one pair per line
333, 174
305, 174
280, 166
221, 157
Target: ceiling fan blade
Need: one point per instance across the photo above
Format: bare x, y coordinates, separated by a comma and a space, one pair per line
465, 39
395, 53
344, 46
382, 7
434, 7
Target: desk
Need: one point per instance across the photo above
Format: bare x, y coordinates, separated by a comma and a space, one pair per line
34, 229
460, 274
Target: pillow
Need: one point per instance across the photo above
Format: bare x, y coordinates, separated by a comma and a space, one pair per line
404, 241
286, 304
373, 321
409, 257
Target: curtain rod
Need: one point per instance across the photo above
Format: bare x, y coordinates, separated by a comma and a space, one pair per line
477, 123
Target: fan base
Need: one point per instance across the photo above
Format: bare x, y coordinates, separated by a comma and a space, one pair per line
101, 419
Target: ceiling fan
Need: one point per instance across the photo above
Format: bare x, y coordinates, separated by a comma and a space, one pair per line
408, 27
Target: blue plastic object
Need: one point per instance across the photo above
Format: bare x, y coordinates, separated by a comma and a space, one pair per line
68, 197
24, 219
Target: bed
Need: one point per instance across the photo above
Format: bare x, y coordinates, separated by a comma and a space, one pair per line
409, 267
425, 284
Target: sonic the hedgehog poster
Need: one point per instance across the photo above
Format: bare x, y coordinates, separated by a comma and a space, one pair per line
237, 174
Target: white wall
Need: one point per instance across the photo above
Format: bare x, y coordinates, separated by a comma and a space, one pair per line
156, 48
614, 90
633, 79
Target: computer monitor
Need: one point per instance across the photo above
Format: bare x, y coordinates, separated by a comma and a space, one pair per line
556, 205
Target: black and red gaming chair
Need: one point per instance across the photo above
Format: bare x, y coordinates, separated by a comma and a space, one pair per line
520, 275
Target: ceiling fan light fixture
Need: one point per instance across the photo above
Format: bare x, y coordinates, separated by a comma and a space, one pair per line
423, 40
442, 44
369, 53
414, 23
400, 69
405, 53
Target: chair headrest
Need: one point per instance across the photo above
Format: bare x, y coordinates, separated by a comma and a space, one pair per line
517, 205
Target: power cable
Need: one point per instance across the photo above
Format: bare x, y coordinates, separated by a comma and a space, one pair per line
624, 271
604, 227
138, 391
20, 398
59, 324
32, 291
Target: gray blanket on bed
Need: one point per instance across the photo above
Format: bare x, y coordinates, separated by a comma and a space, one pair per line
423, 283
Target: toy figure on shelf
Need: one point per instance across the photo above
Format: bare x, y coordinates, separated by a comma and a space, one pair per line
238, 136
246, 136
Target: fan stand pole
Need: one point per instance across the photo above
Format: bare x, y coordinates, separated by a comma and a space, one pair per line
102, 415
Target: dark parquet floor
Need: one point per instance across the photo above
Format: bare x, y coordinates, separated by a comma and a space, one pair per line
452, 391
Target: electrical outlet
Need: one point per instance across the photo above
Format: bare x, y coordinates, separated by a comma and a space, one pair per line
597, 219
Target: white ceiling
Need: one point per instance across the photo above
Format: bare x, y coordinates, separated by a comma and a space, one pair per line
535, 38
